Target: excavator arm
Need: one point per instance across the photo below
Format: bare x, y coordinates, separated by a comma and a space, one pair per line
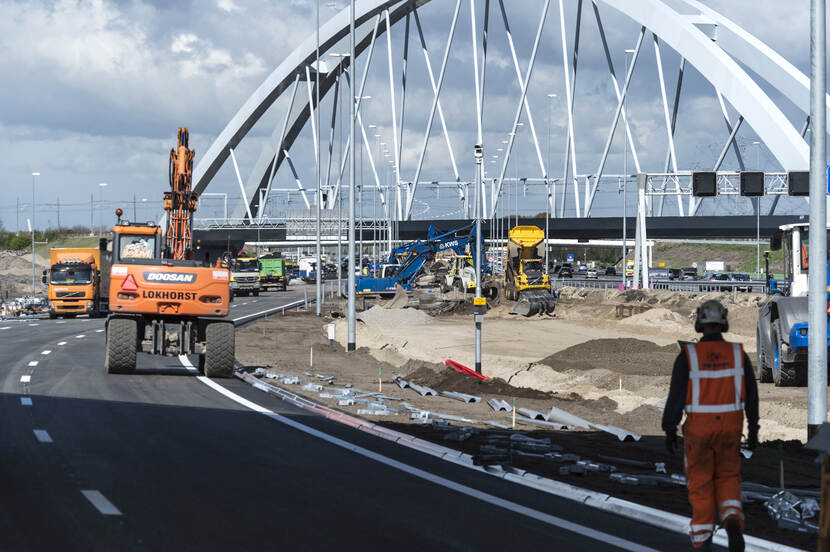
180, 201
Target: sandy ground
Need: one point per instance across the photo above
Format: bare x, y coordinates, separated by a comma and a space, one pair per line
584, 349
572, 362
16, 273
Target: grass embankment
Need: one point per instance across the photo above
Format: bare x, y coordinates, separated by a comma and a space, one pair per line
738, 257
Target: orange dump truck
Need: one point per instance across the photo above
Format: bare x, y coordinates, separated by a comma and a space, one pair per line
78, 279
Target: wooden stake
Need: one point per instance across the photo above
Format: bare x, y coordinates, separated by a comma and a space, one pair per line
514, 412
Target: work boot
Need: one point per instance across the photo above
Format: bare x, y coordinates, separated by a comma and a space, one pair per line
736, 535
706, 546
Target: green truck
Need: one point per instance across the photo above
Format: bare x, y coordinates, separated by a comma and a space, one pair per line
272, 275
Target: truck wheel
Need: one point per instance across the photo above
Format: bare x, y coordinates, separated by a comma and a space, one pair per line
219, 350
764, 370
52, 316
256, 293
121, 346
785, 374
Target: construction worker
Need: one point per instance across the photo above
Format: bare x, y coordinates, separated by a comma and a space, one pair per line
714, 383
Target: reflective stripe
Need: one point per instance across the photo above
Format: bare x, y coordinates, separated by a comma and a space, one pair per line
714, 374
727, 503
714, 408
737, 353
694, 367
731, 512
702, 537
702, 527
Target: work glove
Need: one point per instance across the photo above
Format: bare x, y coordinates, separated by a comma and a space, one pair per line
752, 440
672, 443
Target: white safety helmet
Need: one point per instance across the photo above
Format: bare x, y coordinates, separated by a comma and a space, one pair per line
711, 312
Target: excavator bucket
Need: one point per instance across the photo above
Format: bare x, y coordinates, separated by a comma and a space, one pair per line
532, 302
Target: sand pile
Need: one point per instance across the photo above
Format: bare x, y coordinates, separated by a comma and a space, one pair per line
661, 317
618, 356
379, 316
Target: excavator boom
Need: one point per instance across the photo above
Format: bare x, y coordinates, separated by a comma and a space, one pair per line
180, 201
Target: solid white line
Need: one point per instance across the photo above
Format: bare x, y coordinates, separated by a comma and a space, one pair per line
26, 401
79, 336
432, 478
62, 343
101, 503
33, 363
42, 435
25, 379
46, 352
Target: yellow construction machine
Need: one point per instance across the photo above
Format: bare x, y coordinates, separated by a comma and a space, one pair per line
525, 278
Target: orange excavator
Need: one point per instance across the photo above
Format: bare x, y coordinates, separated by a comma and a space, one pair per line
162, 301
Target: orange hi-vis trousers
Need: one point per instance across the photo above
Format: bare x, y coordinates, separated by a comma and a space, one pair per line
713, 471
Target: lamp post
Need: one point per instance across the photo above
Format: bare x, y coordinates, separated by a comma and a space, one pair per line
350, 315
757, 213
101, 186
548, 194
478, 307
625, 183
34, 175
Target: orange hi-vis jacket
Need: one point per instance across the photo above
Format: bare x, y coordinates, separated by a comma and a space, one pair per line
716, 389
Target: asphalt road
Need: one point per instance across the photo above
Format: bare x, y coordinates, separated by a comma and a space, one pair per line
165, 460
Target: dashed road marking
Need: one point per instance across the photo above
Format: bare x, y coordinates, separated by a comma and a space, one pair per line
25, 378
5, 328
101, 503
32, 363
46, 352
61, 322
26, 401
245, 303
99, 331
79, 336
42, 435
34, 324
254, 301
62, 343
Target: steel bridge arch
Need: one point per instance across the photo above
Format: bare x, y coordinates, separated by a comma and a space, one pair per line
679, 31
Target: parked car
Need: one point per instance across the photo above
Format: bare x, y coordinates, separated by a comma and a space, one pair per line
688, 273
582, 269
658, 273
591, 273
675, 273
610, 271
741, 277
717, 277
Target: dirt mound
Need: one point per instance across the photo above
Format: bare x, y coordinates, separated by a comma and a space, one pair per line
659, 317
447, 379
624, 356
379, 316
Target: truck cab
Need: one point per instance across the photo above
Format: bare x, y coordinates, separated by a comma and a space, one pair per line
245, 276
78, 281
782, 331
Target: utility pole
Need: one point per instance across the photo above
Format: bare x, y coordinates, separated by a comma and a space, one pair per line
817, 291
318, 193
91, 214
350, 313
17, 215
34, 175
134, 209
479, 303
59, 214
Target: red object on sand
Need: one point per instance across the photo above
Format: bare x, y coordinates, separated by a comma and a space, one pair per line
464, 370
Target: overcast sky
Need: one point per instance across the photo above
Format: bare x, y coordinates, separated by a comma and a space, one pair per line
94, 91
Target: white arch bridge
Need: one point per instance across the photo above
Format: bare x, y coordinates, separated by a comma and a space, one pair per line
753, 88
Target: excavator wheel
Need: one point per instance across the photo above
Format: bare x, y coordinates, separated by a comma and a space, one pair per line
217, 360
121, 346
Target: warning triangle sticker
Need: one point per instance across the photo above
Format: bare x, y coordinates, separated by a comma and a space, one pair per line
129, 283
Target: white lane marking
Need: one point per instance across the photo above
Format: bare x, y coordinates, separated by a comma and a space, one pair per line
25, 379
34, 324
427, 476
101, 503
245, 303
42, 435
255, 300
61, 343
99, 331
46, 352
5, 328
79, 336
232, 306
33, 363
26, 401
61, 322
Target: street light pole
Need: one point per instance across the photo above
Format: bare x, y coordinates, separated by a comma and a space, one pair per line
478, 308
757, 213
318, 193
625, 187
101, 186
34, 174
350, 314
